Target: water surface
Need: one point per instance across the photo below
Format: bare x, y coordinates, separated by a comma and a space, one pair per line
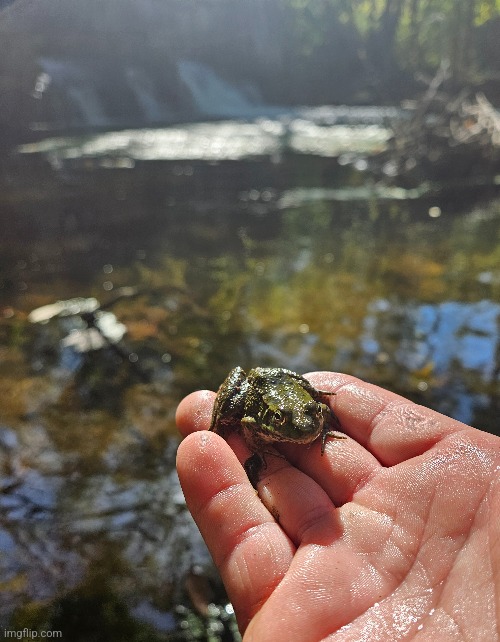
256, 243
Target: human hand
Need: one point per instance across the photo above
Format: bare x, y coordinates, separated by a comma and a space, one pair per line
393, 534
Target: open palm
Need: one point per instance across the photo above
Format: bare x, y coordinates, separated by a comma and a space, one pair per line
393, 534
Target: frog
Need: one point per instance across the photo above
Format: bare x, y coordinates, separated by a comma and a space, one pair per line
269, 406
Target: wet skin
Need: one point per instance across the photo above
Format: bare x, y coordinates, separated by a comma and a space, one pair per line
393, 534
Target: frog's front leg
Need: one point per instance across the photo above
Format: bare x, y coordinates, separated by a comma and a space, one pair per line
331, 421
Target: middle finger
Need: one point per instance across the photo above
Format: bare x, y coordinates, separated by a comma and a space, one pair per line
345, 467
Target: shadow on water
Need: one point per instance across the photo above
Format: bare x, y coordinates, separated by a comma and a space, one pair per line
269, 257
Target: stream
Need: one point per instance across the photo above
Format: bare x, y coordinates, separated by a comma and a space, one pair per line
137, 266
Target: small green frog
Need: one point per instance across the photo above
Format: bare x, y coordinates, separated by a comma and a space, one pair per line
272, 405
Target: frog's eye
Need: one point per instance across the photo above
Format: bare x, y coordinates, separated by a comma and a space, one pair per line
279, 417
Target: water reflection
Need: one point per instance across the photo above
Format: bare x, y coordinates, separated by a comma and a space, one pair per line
441, 348
287, 259
229, 140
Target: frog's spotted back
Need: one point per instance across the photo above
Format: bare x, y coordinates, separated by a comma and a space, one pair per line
271, 405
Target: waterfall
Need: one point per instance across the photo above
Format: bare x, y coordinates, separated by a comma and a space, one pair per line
86, 100
212, 95
78, 86
144, 92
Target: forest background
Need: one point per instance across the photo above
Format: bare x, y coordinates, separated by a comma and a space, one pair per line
281, 52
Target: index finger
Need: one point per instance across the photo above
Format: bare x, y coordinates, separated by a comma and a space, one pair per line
194, 412
249, 548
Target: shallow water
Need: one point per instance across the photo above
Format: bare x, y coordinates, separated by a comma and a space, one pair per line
263, 243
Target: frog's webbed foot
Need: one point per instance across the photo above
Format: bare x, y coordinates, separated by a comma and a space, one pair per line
256, 463
329, 429
253, 467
